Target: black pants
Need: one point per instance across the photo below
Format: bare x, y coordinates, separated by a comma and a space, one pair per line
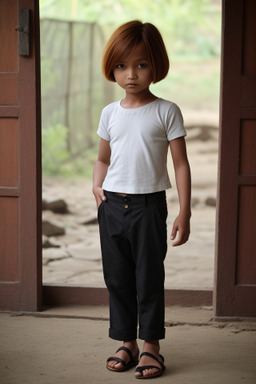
133, 238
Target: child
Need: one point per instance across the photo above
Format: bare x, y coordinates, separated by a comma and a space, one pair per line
129, 183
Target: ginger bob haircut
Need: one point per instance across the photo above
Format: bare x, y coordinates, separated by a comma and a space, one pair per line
122, 42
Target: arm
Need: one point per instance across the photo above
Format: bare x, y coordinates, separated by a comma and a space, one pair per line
181, 224
100, 171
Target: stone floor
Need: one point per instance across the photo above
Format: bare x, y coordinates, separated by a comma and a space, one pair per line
77, 258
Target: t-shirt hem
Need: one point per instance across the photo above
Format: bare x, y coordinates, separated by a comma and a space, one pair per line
138, 191
104, 137
184, 134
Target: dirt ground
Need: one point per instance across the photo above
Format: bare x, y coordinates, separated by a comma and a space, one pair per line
71, 346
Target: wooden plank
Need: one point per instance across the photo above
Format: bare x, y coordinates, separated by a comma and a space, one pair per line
246, 180
9, 85
248, 91
9, 296
248, 113
188, 297
9, 192
235, 288
227, 199
244, 301
9, 111
9, 152
9, 239
8, 46
30, 168
248, 147
246, 244
20, 162
249, 53
54, 295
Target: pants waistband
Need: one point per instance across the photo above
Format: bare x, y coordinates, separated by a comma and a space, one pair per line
136, 198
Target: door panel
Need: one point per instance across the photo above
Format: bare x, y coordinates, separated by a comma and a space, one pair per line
246, 265
9, 144
9, 42
247, 148
235, 288
9, 266
20, 162
249, 37
9, 85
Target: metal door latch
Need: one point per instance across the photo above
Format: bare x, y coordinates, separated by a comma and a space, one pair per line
23, 30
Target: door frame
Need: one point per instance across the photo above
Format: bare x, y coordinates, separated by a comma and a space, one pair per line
21, 281
28, 293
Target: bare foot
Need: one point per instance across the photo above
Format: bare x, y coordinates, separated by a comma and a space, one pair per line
153, 348
133, 347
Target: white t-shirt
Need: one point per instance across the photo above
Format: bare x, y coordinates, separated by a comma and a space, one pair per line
139, 140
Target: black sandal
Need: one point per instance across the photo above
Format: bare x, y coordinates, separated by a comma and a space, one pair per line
126, 366
142, 368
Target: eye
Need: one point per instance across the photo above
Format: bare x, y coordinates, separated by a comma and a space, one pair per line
142, 65
120, 66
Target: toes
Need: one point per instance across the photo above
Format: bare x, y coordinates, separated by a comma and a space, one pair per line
148, 372
115, 364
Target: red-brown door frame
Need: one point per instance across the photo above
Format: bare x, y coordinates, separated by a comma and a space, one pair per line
20, 101
235, 228
24, 291
238, 103
238, 97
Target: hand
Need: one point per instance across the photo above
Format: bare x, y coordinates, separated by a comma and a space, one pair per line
181, 225
99, 195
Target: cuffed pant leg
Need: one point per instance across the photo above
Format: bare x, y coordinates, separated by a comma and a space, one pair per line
134, 244
149, 242
119, 273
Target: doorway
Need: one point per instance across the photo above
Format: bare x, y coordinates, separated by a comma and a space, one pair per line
72, 254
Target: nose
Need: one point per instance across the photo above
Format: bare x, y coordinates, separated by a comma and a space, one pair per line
132, 74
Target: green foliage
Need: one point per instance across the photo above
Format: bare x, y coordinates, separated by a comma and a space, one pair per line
54, 149
82, 165
49, 75
57, 161
187, 25
193, 84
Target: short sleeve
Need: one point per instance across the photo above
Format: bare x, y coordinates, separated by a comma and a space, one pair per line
175, 125
103, 127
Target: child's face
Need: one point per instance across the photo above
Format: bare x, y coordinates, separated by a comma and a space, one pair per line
134, 72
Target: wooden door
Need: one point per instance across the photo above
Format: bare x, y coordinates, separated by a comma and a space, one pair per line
20, 159
235, 290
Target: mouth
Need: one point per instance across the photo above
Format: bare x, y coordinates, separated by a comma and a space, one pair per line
131, 85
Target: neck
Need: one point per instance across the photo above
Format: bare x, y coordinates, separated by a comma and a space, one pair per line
137, 100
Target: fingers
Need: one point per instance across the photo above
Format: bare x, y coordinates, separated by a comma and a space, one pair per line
99, 196
182, 239
174, 232
182, 230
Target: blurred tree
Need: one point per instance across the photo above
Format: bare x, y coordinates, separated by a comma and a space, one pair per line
188, 25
